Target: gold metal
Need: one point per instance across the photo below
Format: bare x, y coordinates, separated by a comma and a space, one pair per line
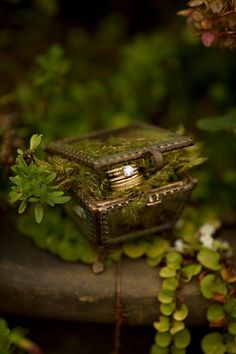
127, 183
124, 177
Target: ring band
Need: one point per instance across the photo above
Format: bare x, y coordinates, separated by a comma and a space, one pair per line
124, 177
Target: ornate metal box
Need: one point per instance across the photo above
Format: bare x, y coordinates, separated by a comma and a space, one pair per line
126, 181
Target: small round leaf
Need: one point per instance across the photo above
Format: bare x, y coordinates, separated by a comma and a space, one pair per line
190, 271
153, 262
135, 249
209, 259
230, 344
167, 309
166, 296
170, 284
157, 248
155, 349
163, 340
181, 314
163, 325
232, 328
182, 339
167, 272
212, 343
215, 313
176, 327
175, 350
212, 284
173, 260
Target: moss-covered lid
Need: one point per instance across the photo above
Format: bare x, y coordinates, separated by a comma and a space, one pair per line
102, 149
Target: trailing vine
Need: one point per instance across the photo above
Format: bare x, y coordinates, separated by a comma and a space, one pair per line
206, 261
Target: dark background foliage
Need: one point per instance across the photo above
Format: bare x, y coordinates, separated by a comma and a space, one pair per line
68, 67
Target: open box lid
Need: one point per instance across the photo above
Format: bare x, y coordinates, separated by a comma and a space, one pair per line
104, 149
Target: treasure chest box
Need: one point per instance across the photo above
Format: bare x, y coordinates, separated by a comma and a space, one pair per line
127, 182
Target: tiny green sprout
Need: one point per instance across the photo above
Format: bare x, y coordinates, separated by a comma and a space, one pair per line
35, 141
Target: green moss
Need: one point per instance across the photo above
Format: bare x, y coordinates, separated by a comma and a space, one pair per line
96, 184
136, 138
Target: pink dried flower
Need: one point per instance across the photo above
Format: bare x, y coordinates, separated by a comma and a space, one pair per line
214, 21
208, 38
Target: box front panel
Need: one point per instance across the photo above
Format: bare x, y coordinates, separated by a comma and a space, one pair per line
157, 216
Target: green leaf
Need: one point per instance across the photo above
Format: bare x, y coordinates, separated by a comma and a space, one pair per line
167, 309
153, 262
4, 337
38, 212
232, 328
213, 343
33, 200
88, 255
173, 260
227, 122
55, 194
135, 249
189, 271
16, 180
35, 141
209, 259
14, 196
212, 284
50, 178
68, 251
155, 349
22, 206
230, 307
167, 272
22, 164
177, 326
166, 296
181, 314
230, 344
163, 324
52, 244
163, 340
215, 313
61, 200
170, 284
182, 338
157, 247
116, 255
175, 350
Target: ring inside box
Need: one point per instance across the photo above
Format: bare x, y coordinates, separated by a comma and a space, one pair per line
127, 182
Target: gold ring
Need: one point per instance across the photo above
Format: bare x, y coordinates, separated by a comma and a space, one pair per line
124, 177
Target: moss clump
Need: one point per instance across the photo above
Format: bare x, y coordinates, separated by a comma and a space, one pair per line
96, 184
122, 142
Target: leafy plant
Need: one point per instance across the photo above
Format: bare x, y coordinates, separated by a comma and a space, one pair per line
34, 182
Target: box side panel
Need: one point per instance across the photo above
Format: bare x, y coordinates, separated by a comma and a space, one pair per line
158, 216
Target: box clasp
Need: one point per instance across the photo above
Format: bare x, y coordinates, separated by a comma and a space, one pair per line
153, 199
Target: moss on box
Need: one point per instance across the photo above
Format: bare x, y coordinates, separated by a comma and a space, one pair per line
96, 184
